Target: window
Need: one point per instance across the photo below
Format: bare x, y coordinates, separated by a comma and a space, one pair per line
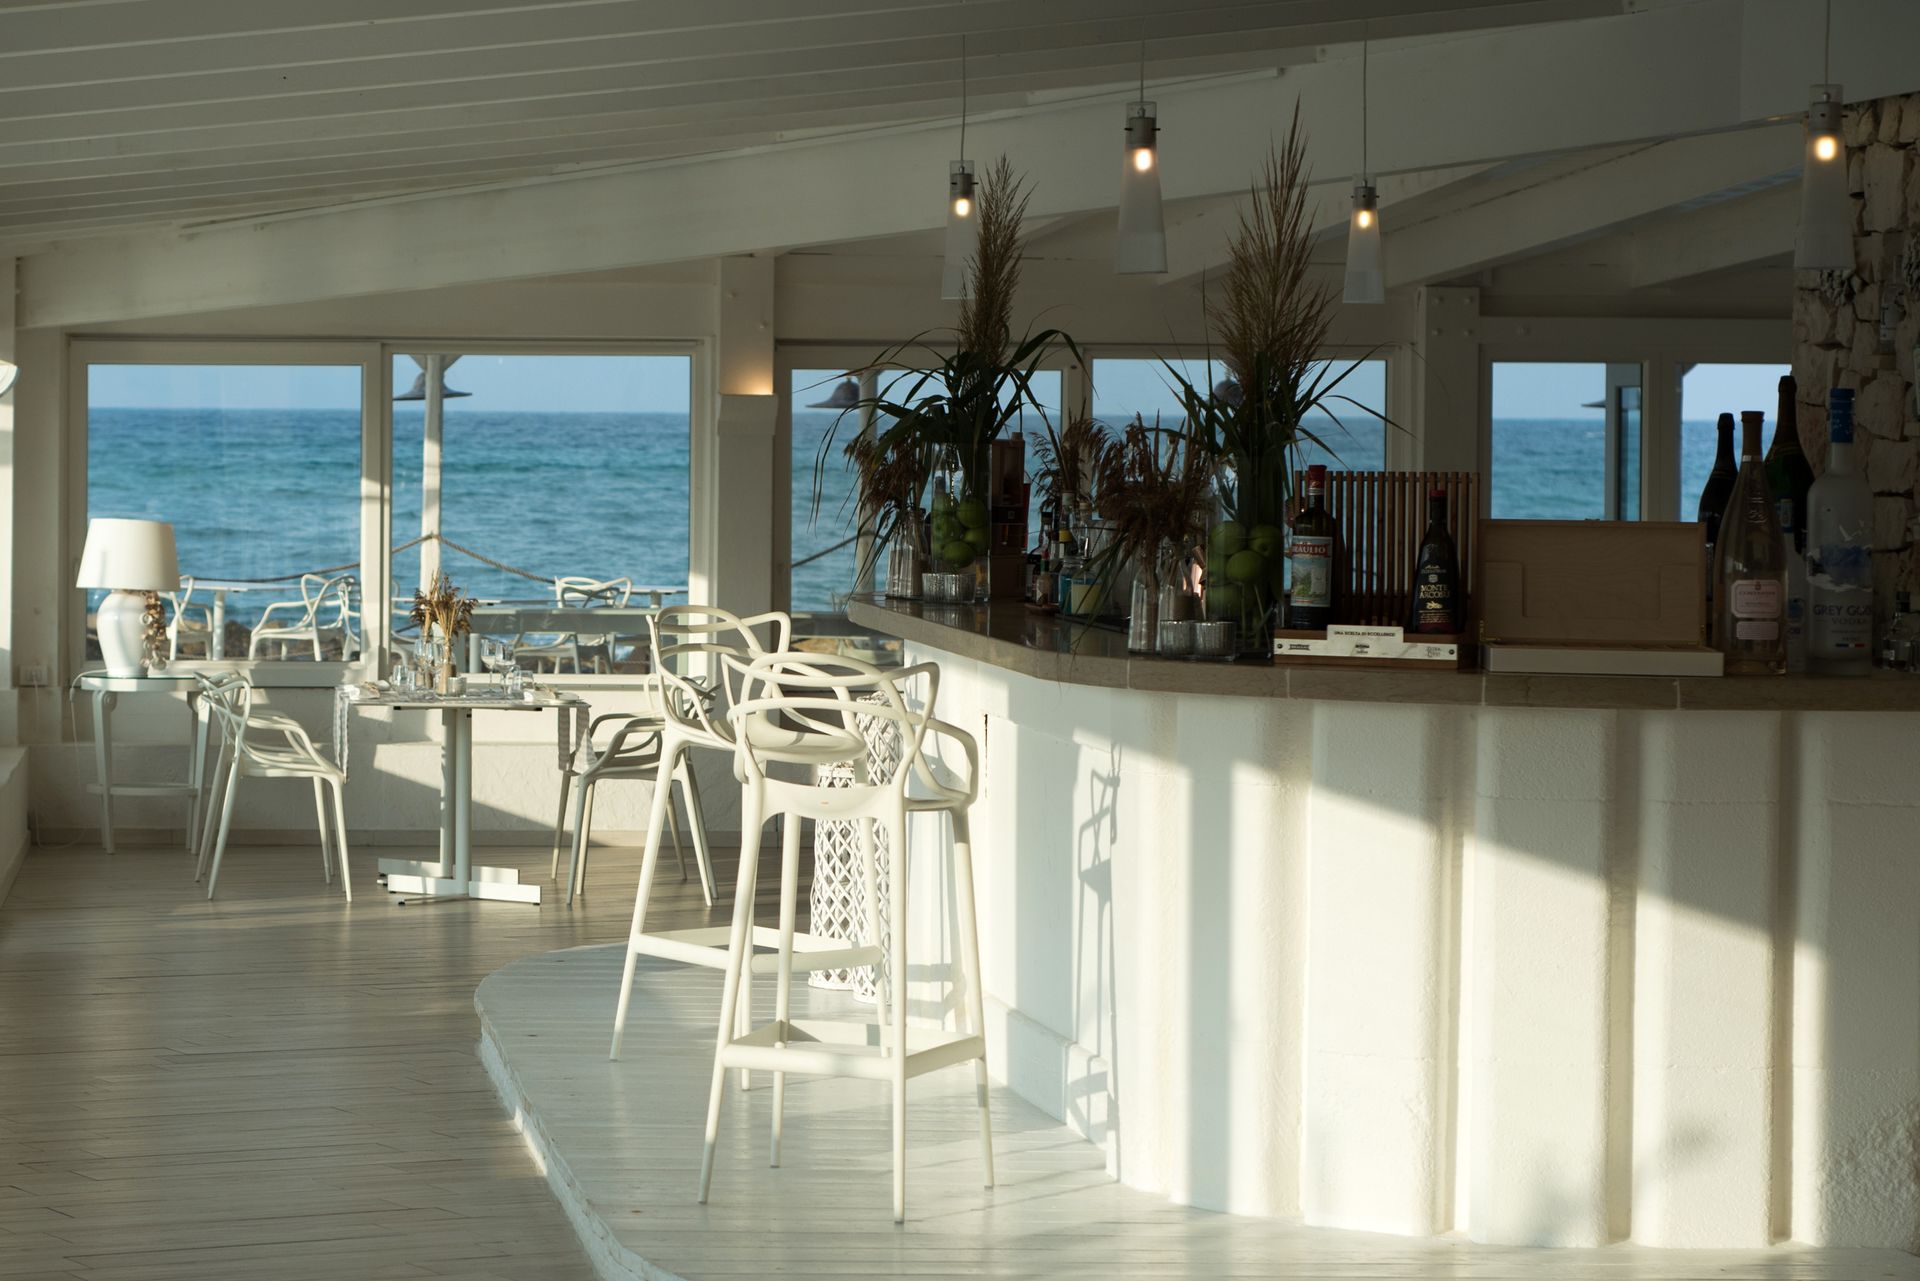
1706, 392
1352, 437
1549, 443
257, 467
548, 467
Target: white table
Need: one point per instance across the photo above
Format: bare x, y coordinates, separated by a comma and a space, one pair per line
106, 691
454, 876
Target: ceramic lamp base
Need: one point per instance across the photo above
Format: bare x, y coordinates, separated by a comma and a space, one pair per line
121, 622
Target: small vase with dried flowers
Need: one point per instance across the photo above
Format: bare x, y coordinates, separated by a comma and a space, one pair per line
442, 609
1155, 489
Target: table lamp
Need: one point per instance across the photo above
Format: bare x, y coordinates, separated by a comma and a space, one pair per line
129, 558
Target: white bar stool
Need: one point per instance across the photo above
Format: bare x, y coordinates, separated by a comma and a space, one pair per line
807, 709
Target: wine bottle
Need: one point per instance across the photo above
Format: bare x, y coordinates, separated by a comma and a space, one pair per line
1750, 568
1789, 474
1436, 608
1840, 554
1310, 558
1713, 499
1797, 609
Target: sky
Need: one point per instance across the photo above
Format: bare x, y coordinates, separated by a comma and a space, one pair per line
1541, 390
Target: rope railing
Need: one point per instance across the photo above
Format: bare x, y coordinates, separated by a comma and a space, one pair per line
409, 545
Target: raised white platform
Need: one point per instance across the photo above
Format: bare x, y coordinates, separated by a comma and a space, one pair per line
620, 1143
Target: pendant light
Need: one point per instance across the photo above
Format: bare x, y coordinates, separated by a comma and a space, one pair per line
1825, 240
1141, 247
1366, 283
963, 208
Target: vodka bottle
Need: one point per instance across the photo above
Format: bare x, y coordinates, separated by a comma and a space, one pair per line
1840, 554
1750, 566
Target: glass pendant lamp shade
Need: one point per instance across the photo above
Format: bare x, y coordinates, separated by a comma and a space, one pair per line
963, 231
1142, 244
1825, 239
1366, 282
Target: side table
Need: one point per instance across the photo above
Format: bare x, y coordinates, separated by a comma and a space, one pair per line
106, 691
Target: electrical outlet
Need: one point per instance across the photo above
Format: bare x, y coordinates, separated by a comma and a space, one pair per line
33, 675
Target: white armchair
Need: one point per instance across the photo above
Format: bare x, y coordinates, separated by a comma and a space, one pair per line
190, 624
575, 649
324, 612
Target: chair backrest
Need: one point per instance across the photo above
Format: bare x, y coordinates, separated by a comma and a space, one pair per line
230, 696
824, 705
579, 591
680, 634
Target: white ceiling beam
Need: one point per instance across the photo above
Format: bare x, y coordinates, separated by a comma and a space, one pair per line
1470, 99
1560, 210
1730, 234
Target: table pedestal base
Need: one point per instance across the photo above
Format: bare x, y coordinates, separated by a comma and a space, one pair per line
427, 882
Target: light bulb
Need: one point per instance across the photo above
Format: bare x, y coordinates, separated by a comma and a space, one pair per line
1143, 158
963, 208
1826, 147
1365, 218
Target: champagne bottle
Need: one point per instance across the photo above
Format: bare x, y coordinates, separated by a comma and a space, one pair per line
1310, 558
1797, 609
1840, 554
1789, 474
1437, 605
1750, 568
1713, 499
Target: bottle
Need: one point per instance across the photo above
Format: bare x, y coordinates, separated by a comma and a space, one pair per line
1796, 594
1749, 564
1897, 647
1713, 498
1072, 568
1310, 558
1436, 607
1789, 474
1840, 554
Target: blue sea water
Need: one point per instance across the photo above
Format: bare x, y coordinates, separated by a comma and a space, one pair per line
264, 493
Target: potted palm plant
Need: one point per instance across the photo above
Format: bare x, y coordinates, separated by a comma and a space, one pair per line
1269, 318
1155, 491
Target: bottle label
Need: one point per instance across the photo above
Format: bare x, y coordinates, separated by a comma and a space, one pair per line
1756, 604
1311, 557
1433, 610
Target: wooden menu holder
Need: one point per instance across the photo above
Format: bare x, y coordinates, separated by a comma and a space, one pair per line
1381, 516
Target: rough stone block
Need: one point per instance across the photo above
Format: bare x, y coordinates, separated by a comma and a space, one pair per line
1864, 358
1886, 171
1890, 467
1880, 405
1861, 124
1890, 517
1866, 303
1909, 118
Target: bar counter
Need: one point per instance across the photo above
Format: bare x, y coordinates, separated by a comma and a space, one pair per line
1543, 960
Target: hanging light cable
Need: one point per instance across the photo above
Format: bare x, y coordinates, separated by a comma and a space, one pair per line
1141, 247
1366, 283
1825, 240
963, 223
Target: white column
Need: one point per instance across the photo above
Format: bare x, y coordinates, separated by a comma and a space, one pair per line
1445, 408
1540, 961
1856, 983
732, 516
1704, 1146
9, 700
1380, 969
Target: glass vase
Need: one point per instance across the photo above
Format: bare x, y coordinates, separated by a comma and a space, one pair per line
1244, 579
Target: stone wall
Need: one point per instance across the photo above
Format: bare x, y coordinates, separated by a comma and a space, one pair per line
1861, 330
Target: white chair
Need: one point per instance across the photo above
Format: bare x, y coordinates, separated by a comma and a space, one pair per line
679, 636
324, 612
205, 724
630, 751
810, 710
191, 624
575, 592
293, 756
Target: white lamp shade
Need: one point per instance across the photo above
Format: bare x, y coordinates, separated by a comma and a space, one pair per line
1825, 238
963, 231
1141, 247
129, 555
1366, 278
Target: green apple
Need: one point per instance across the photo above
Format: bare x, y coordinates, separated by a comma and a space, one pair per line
1247, 567
972, 513
1268, 540
1223, 599
957, 553
1228, 537
979, 539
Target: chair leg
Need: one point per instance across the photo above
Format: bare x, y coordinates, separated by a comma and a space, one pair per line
198, 778
783, 979
217, 794
673, 830
976, 1005
560, 826
697, 820
226, 823
649, 854
320, 813
340, 834
870, 875
582, 799
897, 955
738, 945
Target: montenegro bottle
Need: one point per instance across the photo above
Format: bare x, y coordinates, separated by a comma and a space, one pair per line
1310, 558
1436, 608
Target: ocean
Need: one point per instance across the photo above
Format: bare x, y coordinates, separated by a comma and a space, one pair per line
268, 493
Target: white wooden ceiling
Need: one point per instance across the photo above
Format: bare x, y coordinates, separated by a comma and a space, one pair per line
120, 113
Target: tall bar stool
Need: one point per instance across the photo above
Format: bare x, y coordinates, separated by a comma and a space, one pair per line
678, 637
806, 709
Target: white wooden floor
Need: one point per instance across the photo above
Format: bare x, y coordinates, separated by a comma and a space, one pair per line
622, 1145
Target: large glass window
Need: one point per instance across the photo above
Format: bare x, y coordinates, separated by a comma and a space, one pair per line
1549, 448
549, 470
1706, 392
1351, 433
257, 467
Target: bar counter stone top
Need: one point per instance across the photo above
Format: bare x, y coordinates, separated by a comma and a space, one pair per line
1009, 635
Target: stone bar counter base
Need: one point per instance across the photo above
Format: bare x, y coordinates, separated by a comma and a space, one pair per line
1642, 970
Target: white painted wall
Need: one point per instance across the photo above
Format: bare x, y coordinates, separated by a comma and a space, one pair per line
1541, 976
